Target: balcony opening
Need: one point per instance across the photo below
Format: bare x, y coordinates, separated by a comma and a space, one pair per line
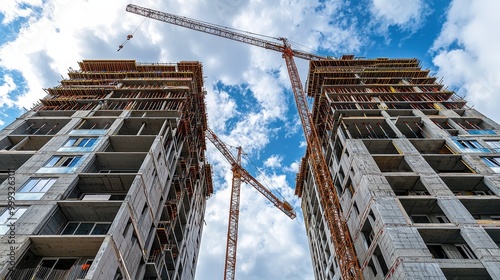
40, 127
95, 123
392, 163
368, 128
494, 234
116, 162
368, 233
484, 209
35, 266
466, 273
411, 127
129, 143
423, 210
427, 146
467, 185
89, 217
407, 185
474, 126
380, 146
24, 143
141, 126
448, 164
445, 125
446, 244
99, 187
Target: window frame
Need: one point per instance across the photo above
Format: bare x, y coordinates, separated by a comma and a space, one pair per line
51, 181
60, 161
469, 144
8, 214
79, 223
420, 216
465, 251
491, 161
494, 144
80, 142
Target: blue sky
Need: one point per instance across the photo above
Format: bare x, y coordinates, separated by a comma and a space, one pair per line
249, 99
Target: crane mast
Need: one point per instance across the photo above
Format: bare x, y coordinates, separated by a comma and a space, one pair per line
344, 249
239, 175
232, 226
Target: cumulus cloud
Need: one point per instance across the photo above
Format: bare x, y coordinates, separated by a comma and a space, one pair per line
466, 53
406, 15
7, 86
14, 9
273, 161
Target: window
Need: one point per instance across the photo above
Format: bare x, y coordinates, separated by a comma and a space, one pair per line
35, 188
469, 144
465, 251
442, 219
80, 142
52, 268
493, 144
420, 219
437, 251
492, 162
9, 215
63, 161
86, 228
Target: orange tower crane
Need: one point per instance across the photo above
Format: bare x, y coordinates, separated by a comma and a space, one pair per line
239, 175
344, 249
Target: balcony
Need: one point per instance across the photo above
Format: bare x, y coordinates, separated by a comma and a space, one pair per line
448, 164
24, 143
467, 185
99, 187
424, 210
51, 268
40, 127
116, 162
407, 185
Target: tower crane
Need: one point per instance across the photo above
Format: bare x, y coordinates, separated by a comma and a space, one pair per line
344, 249
239, 175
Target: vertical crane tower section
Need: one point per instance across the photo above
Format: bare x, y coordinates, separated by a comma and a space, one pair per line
344, 249
239, 175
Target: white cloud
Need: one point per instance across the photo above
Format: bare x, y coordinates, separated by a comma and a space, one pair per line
466, 53
273, 161
14, 9
294, 167
6, 87
407, 15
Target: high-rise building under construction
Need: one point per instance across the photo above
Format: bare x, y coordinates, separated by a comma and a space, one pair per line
106, 178
416, 172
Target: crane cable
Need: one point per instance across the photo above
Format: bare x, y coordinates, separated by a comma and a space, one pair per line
130, 36
264, 177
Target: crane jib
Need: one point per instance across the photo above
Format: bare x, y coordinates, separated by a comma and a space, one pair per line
216, 30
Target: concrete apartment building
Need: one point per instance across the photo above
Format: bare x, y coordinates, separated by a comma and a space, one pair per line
110, 176
417, 173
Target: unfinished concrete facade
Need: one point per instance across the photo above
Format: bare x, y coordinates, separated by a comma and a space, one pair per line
110, 175
417, 173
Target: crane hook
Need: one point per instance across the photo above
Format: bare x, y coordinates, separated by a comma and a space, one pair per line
130, 36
